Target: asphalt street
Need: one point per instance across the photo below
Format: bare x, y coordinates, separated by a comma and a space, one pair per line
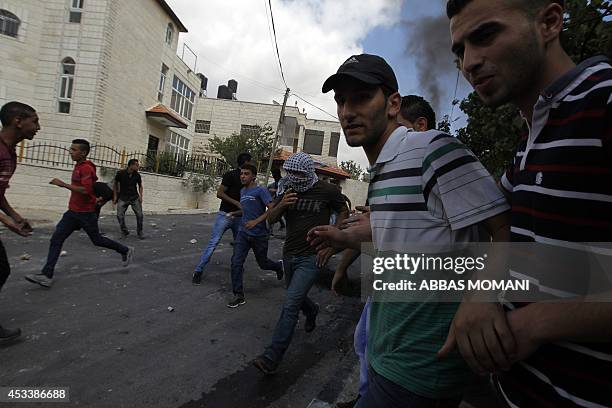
144, 336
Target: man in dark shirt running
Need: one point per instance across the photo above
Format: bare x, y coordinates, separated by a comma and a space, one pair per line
229, 194
306, 203
127, 191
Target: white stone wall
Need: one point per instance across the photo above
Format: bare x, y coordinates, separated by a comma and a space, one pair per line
135, 55
118, 48
356, 191
30, 188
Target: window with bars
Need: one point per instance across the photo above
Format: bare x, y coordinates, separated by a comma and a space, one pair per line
162, 83
9, 23
177, 145
313, 141
66, 85
202, 126
76, 11
183, 98
333, 144
251, 130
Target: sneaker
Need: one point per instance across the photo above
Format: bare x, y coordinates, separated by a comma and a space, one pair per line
281, 273
265, 365
311, 321
141, 236
348, 404
236, 302
127, 257
41, 279
197, 278
124, 234
8, 335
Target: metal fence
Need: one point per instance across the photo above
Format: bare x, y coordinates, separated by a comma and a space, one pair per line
167, 163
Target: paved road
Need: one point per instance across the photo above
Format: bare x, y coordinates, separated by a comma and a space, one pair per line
106, 332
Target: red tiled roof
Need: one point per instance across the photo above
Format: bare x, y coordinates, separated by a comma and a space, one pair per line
160, 110
333, 171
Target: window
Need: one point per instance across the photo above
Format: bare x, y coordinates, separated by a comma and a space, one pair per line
313, 141
169, 33
76, 10
9, 23
162, 82
182, 98
333, 144
177, 145
251, 130
202, 126
66, 86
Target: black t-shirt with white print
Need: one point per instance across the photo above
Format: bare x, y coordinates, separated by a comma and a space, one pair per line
312, 209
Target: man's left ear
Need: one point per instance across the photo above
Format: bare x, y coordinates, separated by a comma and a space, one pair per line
394, 103
550, 22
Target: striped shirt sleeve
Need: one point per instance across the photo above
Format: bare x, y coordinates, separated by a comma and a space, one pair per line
6, 171
455, 176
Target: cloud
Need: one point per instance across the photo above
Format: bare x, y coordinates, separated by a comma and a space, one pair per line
232, 40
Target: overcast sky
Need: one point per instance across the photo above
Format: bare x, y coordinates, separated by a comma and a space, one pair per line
232, 40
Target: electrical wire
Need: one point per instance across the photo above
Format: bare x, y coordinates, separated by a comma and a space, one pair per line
315, 106
280, 64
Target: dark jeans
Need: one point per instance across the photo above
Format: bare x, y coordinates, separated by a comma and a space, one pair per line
243, 243
73, 221
5, 267
383, 393
122, 206
301, 273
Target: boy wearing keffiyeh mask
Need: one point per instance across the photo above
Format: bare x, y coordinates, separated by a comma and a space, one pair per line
306, 202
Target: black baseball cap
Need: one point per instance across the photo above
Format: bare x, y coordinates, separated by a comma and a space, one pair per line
367, 68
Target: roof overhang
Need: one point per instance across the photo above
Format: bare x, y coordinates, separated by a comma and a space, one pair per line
165, 117
173, 16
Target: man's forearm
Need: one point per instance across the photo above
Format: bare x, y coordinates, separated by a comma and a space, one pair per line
8, 210
570, 321
275, 213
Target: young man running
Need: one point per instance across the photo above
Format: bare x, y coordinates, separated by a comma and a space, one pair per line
81, 214
306, 203
253, 233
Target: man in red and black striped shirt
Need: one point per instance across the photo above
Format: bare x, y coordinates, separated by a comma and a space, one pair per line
19, 122
560, 353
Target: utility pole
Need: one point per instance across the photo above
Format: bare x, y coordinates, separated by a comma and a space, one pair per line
281, 120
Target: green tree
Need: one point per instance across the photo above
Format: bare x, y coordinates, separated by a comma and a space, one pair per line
258, 142
492, 134
352, 168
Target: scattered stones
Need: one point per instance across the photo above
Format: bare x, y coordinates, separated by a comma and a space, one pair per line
193, 241
25, 257
63, 253
170, 309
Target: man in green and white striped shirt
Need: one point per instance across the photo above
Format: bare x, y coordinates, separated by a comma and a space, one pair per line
426, 187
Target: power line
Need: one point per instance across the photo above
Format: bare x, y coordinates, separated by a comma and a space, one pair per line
270, 35
315, 106
280, 64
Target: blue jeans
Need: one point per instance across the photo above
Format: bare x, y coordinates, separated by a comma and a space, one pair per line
243, 243
361, 346
73, 221
222, 224
300, 274
383, 393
